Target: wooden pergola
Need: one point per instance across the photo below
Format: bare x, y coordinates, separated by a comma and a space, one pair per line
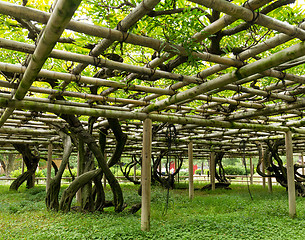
205, 117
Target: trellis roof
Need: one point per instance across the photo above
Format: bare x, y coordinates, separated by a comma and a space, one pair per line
253, 94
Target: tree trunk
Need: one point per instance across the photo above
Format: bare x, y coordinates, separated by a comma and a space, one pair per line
54, 188
69, 193
77, 130
31, 161
21, 179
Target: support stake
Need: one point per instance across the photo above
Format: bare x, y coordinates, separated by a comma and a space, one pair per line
191, 167
146, 174
212, 170
290, 175
49, 165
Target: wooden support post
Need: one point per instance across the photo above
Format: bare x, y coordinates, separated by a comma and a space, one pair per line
212, 170
146, 174
263, 168
269, 182
49, 165
135, 171
290, 175
251, 171
302, 162
191, 167
201, 172
175, 167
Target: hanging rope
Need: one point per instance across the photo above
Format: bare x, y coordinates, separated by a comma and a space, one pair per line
242, 147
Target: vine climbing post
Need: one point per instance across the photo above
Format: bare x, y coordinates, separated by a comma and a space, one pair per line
212, 169
49, 165
191, 167
290, 175
146, 174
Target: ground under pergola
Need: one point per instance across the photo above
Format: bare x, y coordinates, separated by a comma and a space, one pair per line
250, 93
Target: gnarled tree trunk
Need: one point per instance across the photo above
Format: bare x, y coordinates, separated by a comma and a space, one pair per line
54, 187
276, 167
31, 161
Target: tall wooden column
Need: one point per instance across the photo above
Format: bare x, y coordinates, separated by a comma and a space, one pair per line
212, 170
146, 174
302, 162
191, 167
263, 168
135, 171
49, 165
269, 182
290, 175
251, 171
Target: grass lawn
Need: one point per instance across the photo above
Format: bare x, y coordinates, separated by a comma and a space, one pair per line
222, 214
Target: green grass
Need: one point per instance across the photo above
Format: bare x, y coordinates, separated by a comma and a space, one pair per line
222, 214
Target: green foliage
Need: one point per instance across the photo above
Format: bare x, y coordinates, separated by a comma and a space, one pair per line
232, 170
227, 215
44, 171
16, 173
67, 173
183, 173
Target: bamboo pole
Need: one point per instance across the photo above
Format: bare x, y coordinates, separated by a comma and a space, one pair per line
191, 178
27, 131
302, 162
247, 15
135, 171
56, 108
103, 62
285, 55
251, 171
49, 166
78, 95
59, 19
61, 16
260, 92
290, 175
206, 32
136, 14
146, 174
212, 169
217, 26
225, 21
269, 182
119, 35
263, 168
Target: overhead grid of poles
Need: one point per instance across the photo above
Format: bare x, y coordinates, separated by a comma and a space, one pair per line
252, 114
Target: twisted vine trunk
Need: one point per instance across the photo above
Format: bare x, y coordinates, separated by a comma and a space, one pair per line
31, 161
79, 182
79, 132
54, 187
276, 167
